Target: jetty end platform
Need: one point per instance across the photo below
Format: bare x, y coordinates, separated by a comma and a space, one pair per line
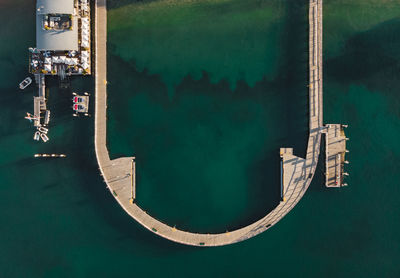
335, 152
297, 172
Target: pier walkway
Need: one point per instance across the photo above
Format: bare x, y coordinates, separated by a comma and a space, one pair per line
297, 172
39, 102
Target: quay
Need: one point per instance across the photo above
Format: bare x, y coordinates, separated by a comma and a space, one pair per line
39, 102
335, 152
297, 173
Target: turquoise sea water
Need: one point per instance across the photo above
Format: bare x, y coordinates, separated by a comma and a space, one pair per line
204, 93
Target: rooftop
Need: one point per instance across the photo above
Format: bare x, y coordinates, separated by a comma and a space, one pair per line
55, 6
56, 25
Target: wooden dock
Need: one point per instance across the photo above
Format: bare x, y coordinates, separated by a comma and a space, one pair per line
335, 152
39, 102
297, 173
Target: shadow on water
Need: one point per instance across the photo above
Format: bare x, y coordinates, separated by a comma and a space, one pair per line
378, 69
114, 4
293, 80
263, 174
291, 86
77, 140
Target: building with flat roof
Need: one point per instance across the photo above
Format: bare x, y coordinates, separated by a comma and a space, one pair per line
62, 38
56, 25
63, 49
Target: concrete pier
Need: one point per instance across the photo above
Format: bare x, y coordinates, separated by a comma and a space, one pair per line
297, 172
335, 152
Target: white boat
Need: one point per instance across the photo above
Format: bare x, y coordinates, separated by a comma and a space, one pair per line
80, 108
36, 137
43, 130
44, 137
47, 117
25, 83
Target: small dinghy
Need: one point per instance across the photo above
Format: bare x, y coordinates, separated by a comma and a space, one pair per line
44, 137
25, 83
36, 137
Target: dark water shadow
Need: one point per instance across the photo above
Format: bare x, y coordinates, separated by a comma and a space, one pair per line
115, 4
78, 144
370, 58
293, 78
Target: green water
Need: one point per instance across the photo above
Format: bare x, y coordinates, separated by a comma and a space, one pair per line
208, 148
204, 93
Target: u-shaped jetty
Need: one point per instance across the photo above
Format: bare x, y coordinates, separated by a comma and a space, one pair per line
297, 173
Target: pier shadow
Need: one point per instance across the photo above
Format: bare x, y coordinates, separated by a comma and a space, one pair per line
293, 78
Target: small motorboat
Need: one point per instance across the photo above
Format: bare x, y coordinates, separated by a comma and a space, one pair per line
44, 137
43, 130
47, 117
25, 83
36, 137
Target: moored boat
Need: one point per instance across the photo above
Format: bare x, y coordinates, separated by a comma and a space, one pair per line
36, 137
43, 130
25, 83
44, 137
